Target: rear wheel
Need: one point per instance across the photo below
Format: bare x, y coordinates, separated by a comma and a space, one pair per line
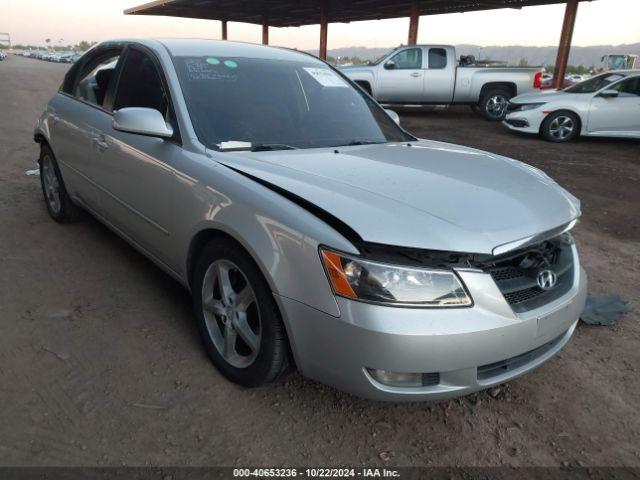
59, 205
493, 104
239, 320
560, 127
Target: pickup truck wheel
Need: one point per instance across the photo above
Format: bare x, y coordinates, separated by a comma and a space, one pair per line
238, 317
560, 127
493, 105
58, 202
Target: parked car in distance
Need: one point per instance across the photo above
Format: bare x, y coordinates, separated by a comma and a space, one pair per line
2, 56
607, 105
430, 75
311, 229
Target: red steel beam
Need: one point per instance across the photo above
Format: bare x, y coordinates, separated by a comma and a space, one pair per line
265, 31
414, 20
564, 47
224, 29
324, 26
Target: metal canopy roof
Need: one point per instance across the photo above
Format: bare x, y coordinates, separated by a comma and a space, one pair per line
294, 13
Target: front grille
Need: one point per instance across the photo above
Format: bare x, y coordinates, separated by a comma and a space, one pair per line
430, 379
486, 372
523, 295
516, 273
500, 274
518, 122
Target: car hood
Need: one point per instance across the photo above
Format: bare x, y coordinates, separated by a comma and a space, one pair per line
547, 96
428, 195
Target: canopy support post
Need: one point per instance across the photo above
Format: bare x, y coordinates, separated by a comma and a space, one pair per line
224, 29
324, 26
414, 20
564, 47
265, 31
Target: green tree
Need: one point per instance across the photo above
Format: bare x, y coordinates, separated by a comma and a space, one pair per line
84, 45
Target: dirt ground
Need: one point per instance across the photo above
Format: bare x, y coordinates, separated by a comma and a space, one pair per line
101, 364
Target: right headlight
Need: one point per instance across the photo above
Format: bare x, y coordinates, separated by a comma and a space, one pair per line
374, 282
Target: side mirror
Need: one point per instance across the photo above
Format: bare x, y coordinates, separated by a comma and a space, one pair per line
390, 65
142, 121
394, 116
609, 93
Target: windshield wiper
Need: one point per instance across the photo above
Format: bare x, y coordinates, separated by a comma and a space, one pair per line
238, 146
269, 147
353, 143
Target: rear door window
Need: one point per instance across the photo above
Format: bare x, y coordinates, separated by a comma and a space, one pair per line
437, 58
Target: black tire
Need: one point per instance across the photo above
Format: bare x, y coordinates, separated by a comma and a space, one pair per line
559, 127
491, 100
63, 210
273, 358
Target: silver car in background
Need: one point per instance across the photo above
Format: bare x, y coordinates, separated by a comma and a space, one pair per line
313, 231
607, 105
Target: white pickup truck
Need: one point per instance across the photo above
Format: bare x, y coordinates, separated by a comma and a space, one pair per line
432, 75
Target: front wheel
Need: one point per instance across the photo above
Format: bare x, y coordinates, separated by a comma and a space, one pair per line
493, 105
239, 320
560, 127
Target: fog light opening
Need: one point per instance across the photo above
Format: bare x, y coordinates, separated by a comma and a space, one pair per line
406, 380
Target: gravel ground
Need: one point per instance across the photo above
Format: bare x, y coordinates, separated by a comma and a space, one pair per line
101, 364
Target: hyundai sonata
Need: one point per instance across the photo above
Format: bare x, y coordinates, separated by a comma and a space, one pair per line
312, 230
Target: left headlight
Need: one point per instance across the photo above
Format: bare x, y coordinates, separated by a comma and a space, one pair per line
375, 282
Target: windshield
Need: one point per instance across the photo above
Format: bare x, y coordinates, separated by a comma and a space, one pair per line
244, 102
594, 84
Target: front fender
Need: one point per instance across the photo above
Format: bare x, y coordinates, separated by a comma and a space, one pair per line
281, 236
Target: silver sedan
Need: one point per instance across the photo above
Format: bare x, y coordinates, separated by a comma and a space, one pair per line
313, 232
607, 105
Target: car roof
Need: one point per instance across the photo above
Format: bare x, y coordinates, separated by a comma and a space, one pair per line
200, 47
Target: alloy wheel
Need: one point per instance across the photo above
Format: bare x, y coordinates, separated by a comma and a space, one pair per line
561, 127
497, 106
51, 185
231, 313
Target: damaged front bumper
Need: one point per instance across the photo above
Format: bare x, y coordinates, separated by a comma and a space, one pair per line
456, 351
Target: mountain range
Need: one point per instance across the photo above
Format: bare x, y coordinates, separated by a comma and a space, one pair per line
513, 54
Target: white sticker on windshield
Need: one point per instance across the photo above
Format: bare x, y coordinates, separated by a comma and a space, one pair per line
326, 77
613, 78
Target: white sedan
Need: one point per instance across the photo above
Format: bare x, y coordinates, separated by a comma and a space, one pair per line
607, 105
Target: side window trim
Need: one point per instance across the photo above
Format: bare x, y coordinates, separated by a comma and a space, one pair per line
177, 138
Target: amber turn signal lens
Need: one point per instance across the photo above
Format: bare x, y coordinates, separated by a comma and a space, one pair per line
337, 275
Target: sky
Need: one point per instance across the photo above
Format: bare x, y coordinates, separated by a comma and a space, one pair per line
70, 21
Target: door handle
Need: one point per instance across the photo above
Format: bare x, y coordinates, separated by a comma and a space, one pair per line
100, 143
416, 74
